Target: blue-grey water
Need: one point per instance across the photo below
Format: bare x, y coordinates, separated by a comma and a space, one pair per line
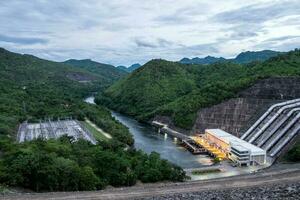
148, 139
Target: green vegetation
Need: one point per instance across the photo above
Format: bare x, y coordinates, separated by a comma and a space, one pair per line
244, 57
179, 91
130, 68
62, 165
149, 87
32, 89
105, 71
97, 134
205, 171
293, 155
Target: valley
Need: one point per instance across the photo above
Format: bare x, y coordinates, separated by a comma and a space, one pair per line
153, 100
185, 99
147, 139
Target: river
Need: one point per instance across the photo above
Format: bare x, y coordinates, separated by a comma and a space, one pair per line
148, 139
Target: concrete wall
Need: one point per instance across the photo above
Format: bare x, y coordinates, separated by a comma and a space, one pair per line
237, 114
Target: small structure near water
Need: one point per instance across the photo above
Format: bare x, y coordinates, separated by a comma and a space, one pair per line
193, 147
218, 144
48, 129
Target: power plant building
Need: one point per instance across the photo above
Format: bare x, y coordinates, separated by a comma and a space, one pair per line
239, 151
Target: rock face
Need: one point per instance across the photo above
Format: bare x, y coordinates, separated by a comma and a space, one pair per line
279, 191
237, 114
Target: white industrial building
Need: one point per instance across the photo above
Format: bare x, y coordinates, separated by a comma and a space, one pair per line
239, 151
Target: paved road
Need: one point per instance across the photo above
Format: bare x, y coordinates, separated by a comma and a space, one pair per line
269, 177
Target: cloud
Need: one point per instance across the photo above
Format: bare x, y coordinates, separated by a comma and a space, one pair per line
283, 38
157, 43
130, 31
259, 13
243, 34
22, 40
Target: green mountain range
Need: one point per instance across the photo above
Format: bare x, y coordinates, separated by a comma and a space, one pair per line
105, 71
244, 57
178, 90
32, 88
131, 68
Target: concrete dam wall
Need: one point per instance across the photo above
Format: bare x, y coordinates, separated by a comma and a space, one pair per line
237, 114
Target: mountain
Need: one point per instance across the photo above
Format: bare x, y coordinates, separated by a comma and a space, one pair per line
32, 88
131, 68
134, 67
250, 56
121, 67
244, 57
203, 61
107, 72
178, 91
154, 84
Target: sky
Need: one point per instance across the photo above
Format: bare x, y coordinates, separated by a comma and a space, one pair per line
123, 32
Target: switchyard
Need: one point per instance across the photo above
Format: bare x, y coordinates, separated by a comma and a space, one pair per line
48, 129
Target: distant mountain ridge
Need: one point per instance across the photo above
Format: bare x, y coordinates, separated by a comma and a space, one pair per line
131, 68
244, 57
205, 60
101, 69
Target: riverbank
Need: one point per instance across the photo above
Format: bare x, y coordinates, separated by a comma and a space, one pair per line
148, 139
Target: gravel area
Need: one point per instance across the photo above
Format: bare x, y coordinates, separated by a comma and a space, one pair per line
272, 192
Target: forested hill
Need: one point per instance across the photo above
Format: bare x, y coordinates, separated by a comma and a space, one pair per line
107, 72
32, 88
179, 91
244, 57
130, 68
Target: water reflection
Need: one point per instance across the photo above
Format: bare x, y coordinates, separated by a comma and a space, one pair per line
148, 139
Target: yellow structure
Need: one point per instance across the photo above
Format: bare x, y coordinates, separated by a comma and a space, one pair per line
210, 147
224, 145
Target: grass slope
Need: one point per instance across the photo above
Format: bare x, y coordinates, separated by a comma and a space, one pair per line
97, 132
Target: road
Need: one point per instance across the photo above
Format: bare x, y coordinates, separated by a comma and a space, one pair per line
268, 177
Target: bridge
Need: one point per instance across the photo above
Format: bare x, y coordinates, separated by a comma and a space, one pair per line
163, 128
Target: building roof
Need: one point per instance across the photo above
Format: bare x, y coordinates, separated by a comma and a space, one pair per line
235, 141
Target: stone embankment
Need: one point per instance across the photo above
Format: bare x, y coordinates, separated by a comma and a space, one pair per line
277, 182
280, 191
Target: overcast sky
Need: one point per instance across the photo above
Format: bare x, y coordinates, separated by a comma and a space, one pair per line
123, 32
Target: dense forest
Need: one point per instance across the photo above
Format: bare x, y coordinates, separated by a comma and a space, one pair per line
177, 90
33, 89
62, 165
105, 71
